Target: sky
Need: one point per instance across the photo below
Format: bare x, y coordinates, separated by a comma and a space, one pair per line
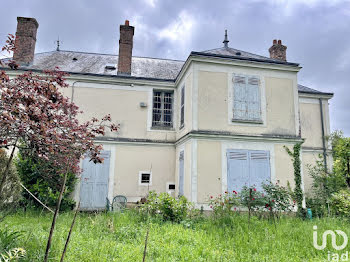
316, 32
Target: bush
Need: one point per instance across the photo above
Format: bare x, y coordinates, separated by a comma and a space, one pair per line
43, 181
251, 198
12, 190
225, 204
341, 203
277, 199
167, 207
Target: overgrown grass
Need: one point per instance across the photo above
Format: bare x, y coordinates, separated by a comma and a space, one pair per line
120, 237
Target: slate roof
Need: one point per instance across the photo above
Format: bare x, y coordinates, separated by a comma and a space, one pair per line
228, 52
308, 90
93, 63
142, 67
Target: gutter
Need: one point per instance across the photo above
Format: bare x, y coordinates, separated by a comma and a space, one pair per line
323, 136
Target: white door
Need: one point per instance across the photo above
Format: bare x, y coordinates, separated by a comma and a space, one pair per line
94, 183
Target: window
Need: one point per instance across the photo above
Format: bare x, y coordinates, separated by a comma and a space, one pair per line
246, 99
162, 109
247, 168
145, 178
182, 109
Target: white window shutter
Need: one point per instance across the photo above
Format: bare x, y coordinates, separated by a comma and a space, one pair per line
253, 95
239, 96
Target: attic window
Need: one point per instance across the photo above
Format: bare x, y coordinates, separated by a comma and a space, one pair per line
75, 59
110, 67
238, 53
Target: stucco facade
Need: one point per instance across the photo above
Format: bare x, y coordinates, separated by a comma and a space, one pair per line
196, 128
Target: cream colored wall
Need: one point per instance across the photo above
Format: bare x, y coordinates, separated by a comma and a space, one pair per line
284, 166
130, 159
209, 169
212, 164
279, 104
310, 119
124, 107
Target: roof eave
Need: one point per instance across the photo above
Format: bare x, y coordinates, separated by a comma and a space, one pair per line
193, 53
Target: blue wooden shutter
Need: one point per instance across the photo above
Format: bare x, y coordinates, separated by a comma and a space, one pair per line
253, 99
237, 169
259, 168
181, 173
94, 183
239, 97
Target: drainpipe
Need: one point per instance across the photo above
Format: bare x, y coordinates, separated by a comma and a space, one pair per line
72, 97
323, 137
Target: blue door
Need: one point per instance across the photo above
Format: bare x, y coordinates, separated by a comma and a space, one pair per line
247, 168
181, 174
94, 183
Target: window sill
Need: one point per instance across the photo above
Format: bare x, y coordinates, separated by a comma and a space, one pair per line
257, 122
167, 128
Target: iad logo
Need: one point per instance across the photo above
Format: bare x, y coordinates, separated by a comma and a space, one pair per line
332, 256
334, 239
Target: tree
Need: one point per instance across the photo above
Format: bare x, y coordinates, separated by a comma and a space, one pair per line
35, 116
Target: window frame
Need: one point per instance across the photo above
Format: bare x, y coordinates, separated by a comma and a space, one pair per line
140, 178
182, 106
162, 125
247, 119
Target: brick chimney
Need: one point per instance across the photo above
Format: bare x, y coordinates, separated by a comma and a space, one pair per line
25, 40
125, 48
278, 51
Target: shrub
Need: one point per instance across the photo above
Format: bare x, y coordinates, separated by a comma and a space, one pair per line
166, 207
12, 189
324, 185
277, 198
251, 198
40, 178
341, 203
225, 204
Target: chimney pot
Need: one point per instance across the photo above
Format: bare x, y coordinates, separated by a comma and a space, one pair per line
25, 40
278, 51
125, 48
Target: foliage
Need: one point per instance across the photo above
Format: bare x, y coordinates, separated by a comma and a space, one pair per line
341, 154
12, 190
8, 239
41, 179
298, 192
37, 117
13, 255
166, 207
251, 198
277, 198
341, 203
324, 184
120, 237
225, 204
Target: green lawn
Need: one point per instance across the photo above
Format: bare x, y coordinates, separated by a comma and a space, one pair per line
120, 237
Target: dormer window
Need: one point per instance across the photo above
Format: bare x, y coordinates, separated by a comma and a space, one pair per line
246, 99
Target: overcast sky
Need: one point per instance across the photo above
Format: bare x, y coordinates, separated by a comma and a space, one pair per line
316, 32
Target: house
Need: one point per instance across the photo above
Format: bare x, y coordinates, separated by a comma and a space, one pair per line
200, 127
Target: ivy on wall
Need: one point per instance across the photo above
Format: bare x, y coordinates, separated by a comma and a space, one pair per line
298, 192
